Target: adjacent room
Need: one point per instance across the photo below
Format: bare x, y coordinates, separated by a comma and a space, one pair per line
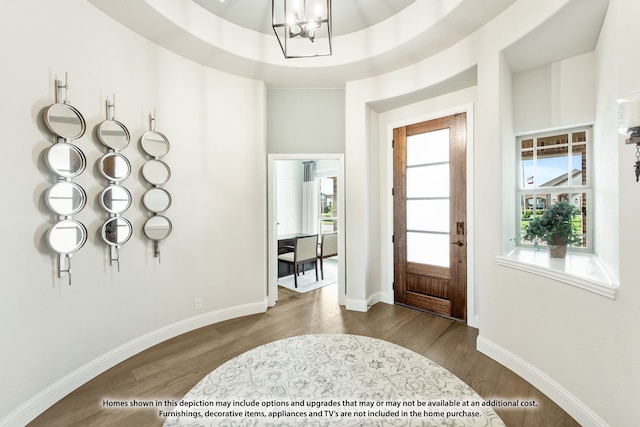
353, 196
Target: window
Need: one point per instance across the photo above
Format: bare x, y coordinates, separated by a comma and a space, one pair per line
328, 204
555, 167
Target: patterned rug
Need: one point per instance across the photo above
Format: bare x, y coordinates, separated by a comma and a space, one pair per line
331, 380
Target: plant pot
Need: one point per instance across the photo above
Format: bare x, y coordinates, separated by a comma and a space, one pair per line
558, 248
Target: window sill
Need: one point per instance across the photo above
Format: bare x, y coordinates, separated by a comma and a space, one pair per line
582, 270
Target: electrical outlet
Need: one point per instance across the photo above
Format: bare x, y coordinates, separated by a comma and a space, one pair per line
197, 303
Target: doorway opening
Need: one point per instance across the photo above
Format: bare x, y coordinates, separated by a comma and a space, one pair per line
305, 198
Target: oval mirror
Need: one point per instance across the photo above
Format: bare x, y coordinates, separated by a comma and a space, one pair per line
156, 172
116, 231
66, 160
66, 198
155, 144
65, 121
157, 227
156, 200
113, 134
67, 236
115, 167
115, 199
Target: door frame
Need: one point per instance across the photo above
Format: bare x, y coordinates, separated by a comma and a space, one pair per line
271, 293
472, 303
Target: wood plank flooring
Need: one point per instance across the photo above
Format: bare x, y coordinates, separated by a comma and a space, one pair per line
170, 369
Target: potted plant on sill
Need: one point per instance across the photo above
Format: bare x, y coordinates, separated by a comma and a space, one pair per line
555, 228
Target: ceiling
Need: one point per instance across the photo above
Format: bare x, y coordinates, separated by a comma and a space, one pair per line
349, 16
371, 37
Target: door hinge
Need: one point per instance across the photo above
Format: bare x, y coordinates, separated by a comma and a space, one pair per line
393, 191
393, 143
393, 238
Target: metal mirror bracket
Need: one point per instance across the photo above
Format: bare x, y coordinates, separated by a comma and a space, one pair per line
156, 173
156, 250
114, 256
65, 198
67, 270
115, 136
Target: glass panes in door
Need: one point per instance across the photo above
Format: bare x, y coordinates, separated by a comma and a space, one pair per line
428, 198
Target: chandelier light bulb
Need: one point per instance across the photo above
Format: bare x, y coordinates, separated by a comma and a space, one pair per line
291, 20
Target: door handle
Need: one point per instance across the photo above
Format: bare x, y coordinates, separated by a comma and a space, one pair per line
459, 243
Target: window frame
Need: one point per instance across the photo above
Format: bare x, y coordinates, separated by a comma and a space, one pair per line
569, 188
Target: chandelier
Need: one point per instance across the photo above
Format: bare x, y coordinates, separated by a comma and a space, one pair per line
629, 123
302, 27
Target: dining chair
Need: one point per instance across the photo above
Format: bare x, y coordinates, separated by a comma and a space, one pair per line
304, 251
327, 248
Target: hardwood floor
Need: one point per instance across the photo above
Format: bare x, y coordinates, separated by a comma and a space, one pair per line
170, 369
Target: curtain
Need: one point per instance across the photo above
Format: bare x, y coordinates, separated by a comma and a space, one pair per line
310, 206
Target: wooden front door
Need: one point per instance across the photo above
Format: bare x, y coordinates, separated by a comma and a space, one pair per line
430, 262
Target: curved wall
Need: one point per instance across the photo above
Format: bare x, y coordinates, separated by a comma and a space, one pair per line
571, 344
55, 336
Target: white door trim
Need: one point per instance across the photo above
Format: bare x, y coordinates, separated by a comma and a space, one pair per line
272, 237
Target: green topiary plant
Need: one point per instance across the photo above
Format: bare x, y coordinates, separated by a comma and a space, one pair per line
555, 227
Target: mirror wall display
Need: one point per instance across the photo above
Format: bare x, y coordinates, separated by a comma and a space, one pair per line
115, 199
67, 236
156, 199
115, 168
113, 134
65, 198
156, 172
155, 144
66, 160
116, 231
157, 227
64, 120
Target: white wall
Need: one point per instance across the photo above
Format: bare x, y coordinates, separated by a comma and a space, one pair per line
577, 346
555, 95
50, 330
289, 176
305, 121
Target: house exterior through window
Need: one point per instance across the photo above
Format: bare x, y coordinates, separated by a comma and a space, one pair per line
554, 167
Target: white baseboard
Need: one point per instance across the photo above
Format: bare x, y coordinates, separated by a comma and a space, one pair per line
357, 305
360, 305
561, 396
29, 410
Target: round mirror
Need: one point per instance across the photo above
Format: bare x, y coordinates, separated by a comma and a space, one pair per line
66, 160
156, 200
115, 199
66, 198
65, 121
67, 236
155, 144
113, 134
157, 227
156, 172
115, 167
116, 231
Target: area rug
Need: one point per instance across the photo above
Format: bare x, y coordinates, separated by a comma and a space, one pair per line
307, 282
331, 380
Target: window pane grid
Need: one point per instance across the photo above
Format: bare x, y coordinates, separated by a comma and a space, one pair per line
552, 168
554, 161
